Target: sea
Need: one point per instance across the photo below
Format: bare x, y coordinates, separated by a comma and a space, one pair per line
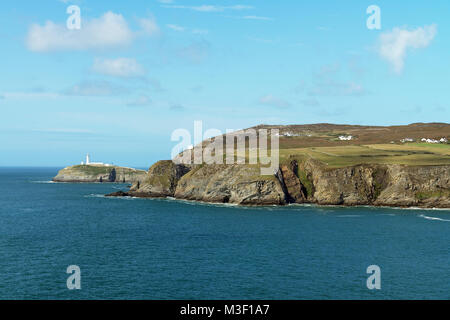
128, 248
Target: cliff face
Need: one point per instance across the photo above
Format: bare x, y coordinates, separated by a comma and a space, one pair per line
161, 180
306, 182
240, 184
94, 173
383, 185
417, 186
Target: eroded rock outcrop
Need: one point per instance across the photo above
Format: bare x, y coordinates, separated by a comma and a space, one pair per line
294, 190
239, 184
161, 180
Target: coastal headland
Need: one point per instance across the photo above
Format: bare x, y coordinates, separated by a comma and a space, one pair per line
325, 164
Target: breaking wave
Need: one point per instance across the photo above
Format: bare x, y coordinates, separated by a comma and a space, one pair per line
433, 218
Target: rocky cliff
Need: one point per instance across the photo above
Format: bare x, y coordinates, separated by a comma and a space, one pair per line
383, 185
299, 182
100, 173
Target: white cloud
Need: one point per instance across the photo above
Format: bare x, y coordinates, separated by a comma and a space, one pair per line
272, 101
209, 8
121, 67
149, 26
393, 45
175, 27
178, 28
257, 18
110, 30
95, 88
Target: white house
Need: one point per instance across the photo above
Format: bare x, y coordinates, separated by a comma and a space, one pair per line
290, 134
442, 140
429, 140
345, 138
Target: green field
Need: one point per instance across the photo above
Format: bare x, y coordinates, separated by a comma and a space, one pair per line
350, 155
368, 144
341, 156
92, 169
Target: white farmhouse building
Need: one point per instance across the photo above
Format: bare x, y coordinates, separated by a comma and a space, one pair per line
290, 134
429, 140
345, 138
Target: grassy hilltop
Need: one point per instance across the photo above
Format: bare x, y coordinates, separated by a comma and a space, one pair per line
369, 144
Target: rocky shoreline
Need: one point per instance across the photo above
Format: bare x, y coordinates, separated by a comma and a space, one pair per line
307, 182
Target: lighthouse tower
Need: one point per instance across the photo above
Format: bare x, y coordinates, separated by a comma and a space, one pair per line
88, 159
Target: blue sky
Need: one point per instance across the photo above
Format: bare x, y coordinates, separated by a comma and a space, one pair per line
137, 70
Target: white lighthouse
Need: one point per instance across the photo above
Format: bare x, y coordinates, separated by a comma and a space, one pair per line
90, 163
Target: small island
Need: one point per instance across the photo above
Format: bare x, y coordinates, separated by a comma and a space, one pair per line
89, 171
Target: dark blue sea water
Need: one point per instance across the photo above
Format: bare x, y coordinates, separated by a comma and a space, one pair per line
167, 249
